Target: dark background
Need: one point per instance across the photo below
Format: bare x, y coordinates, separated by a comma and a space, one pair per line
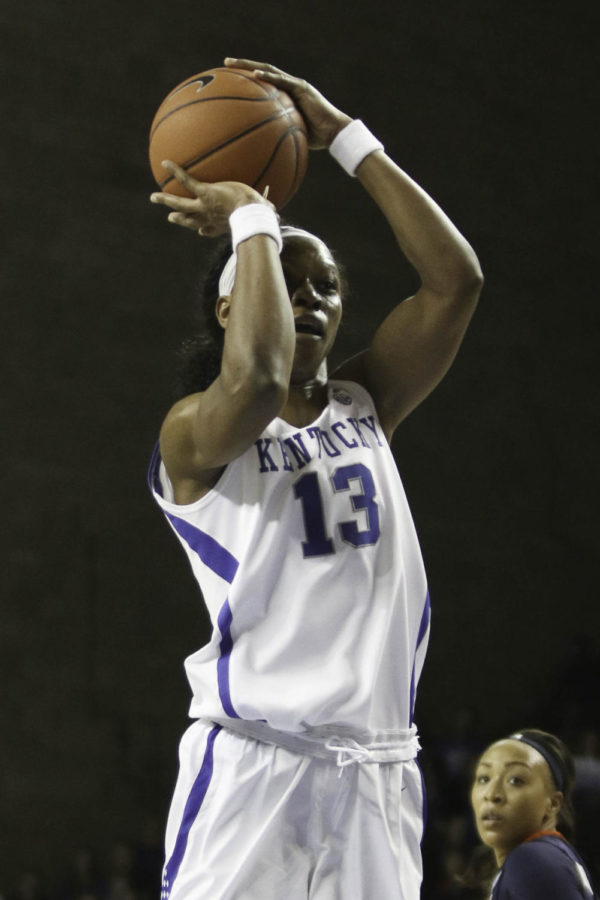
492, 108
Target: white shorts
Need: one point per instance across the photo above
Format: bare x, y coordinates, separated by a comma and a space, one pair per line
254, 821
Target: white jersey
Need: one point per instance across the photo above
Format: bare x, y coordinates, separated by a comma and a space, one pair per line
309, 565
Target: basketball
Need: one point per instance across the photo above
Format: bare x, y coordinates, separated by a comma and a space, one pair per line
226, 125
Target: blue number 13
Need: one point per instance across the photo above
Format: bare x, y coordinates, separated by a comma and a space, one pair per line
307, 489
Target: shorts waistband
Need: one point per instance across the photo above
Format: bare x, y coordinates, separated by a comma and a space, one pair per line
329, 744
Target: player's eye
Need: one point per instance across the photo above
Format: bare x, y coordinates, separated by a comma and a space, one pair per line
327, 287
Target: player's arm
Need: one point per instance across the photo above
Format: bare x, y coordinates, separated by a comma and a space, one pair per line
416, 344
205, 431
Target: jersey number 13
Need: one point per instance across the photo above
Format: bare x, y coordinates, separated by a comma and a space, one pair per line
308, 490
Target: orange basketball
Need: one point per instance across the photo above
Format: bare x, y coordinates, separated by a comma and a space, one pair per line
226, 125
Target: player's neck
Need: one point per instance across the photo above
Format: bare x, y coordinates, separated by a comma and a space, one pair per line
305, 403
552, 832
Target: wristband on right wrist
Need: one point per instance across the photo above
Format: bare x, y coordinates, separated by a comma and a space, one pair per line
353, 143
254, 218
245, 222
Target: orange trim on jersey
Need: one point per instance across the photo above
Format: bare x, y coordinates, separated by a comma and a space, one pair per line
537, 834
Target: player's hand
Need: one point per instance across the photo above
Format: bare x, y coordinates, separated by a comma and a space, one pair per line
323, 120
207, 211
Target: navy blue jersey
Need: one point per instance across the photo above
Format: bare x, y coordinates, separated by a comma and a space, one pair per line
543, 868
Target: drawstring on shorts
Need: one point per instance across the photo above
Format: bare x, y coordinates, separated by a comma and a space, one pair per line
398, 746
348, 751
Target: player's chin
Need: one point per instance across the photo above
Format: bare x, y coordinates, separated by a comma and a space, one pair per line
310, 351
307, 365
308, 337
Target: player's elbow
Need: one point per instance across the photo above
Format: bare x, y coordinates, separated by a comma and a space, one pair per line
264, 387
272, 390
468, 270
467, 282
474, 276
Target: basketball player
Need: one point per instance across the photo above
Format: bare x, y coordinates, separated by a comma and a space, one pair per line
298, 777
521, 798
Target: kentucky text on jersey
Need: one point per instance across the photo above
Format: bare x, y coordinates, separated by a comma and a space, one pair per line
295, 452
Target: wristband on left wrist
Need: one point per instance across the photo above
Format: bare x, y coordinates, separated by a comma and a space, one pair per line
352, 145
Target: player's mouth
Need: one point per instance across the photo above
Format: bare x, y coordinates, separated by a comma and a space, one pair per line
490, 818
310, 325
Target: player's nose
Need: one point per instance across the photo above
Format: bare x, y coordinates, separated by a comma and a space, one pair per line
306, 295
493, 792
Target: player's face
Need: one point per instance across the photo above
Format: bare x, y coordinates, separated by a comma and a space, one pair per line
513, 796
313, 283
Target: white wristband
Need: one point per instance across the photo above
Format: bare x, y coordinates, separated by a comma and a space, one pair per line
245, 222
252, 219
352, 145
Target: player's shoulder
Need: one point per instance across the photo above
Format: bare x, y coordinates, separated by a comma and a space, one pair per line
534, 852
345, 392
540, 868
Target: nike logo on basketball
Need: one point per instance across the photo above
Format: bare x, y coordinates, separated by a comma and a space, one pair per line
202, 82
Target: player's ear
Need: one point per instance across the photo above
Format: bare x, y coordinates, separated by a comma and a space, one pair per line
554, 803
222, 310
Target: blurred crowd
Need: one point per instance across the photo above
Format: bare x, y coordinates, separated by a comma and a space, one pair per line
131, 869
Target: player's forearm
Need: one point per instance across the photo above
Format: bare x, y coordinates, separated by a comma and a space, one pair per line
444, 260
259, 334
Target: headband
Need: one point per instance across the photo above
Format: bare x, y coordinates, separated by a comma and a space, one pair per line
552, 761
227, 278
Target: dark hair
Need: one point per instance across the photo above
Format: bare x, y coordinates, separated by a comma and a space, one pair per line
481, 868
199, 356
559, 759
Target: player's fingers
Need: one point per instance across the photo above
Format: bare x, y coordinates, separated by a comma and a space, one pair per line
182, 204
186, 221
165, 199
253, 64
181, 175
298, 88
267, 72
204, 192
281, 80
